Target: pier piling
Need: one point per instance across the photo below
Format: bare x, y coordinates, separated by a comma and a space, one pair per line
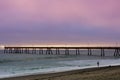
77, 51
49, 51
67, 51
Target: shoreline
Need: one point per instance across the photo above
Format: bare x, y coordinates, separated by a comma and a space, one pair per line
58, 74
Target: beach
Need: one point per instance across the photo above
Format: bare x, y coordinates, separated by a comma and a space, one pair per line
45, 66
59, 40
57, 67
98, 73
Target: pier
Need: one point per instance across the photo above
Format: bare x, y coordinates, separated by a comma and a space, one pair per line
49, 50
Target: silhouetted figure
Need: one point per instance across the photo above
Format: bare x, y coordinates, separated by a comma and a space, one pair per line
98, 63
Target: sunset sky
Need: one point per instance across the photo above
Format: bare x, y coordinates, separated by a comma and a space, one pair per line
59, 21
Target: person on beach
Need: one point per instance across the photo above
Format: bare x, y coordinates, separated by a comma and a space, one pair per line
98, 63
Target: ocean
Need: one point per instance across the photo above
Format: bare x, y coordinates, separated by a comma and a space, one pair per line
26, 64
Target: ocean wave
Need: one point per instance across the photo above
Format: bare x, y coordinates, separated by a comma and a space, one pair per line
6, 61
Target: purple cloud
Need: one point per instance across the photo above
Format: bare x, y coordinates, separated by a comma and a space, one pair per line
37, 21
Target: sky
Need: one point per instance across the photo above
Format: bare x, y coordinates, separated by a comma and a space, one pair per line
59, 21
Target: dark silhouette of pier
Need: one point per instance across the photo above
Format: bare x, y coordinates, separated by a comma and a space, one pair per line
49, 50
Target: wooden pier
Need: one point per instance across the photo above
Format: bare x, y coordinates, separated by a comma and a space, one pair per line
49, 50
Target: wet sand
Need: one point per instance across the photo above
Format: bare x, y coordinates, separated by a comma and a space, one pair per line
103, 73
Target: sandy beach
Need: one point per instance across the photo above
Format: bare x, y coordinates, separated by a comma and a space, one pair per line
102, 73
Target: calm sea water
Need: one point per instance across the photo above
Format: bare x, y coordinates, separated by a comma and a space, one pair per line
26, 64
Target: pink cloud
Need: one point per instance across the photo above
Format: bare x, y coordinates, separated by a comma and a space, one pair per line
86, 12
